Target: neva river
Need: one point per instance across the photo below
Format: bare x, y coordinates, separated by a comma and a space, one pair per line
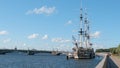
14, 60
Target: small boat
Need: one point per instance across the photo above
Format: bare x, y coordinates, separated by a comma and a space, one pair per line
70, 55
55, 52
30, 53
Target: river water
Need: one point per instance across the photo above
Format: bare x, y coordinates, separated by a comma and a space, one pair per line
44, 60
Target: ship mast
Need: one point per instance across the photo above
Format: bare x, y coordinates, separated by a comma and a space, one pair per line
81, 26
84, 28
86, 24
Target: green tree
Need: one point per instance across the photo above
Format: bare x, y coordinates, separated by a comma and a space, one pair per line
113, 50
118, 49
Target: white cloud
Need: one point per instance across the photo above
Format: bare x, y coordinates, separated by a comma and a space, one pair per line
56, 39
96, 34
33, 36
3, 32
45, 37
65, 41
60, 40
74, 31
98, 46
42, 10
69, 22
6, 40
24, 44
64, 47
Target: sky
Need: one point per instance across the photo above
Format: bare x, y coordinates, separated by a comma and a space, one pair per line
50, 24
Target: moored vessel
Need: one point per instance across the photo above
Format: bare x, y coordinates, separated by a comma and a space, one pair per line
55, 52
83, 46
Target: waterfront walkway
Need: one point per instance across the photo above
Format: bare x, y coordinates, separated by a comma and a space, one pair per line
109, 61
116, 60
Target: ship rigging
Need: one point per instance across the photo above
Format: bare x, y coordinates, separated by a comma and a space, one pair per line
83, 47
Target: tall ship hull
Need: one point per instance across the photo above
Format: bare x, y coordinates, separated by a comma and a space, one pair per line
84, 53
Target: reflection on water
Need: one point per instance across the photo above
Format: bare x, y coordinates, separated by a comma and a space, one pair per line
44, 61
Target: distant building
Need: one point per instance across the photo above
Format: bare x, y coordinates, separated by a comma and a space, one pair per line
15, 48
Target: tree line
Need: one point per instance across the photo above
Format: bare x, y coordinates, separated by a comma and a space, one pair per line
114, 50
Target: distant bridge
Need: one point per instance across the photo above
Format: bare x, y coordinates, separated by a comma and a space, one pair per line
29, 52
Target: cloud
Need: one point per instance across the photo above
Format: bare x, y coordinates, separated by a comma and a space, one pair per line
60, 40
69, 22
63, 47
43, 10
33, 36
6, 40
74, 30
98, 46
45, 37
96, 34
24, 44
3, 32
56, 39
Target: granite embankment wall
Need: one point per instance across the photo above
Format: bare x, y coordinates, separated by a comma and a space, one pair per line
106, 62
